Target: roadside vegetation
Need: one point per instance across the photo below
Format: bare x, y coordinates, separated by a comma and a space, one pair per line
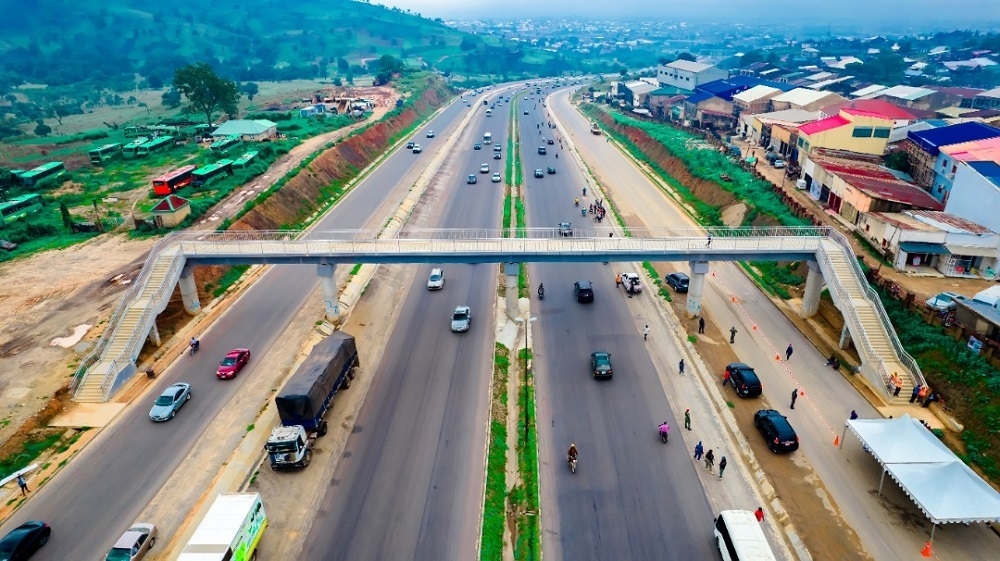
495, 501
524, 499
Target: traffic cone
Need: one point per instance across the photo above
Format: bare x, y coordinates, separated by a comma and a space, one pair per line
926, 551
836, 440
777, 358
755, 327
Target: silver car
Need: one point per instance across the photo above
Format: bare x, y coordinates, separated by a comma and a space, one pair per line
134, 544
435, 281
172, 399
944, 301
461, 319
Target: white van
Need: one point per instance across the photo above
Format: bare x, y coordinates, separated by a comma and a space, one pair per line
740, 537
989, 296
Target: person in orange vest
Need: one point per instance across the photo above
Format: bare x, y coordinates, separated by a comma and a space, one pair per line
618, 280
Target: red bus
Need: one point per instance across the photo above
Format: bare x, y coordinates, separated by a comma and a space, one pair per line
171, 181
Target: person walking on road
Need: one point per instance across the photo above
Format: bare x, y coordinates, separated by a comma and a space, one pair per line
732, 335
645, 336
788, 352
759, 513
725, 377
23, 484
698, 451
687, 419
916, 392
680, 367
701, 325
618, 280
709, 461
795, 394
722, 466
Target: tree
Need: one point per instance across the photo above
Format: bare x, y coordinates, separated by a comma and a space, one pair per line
250, 89
143, 104
205, 91
171, 99
338, 82
343, 66
41, 129
67, 219
686, 56
468, 43
154, 81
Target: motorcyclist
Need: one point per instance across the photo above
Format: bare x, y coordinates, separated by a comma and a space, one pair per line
572, 453
576, 202
665, 430
541, 290
557, 155
194, 344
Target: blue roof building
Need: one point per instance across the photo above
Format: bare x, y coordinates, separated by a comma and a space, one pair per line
923, 147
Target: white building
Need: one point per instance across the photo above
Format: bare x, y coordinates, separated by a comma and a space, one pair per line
975, 193
259, 130
688, 75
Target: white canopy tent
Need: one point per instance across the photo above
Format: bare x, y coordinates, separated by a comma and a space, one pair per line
935, 478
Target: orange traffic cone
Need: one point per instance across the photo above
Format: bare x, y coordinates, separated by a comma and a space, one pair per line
777, 358
836, 440
926, 551
755, 327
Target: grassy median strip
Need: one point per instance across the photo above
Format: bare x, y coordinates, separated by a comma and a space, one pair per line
524, 499
495, 504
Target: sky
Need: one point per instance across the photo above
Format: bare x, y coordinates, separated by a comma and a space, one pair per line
915, 12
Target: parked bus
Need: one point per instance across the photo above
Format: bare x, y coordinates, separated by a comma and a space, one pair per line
220, 146
135, 131
741, 538
207, 174
44, 171
105, 153
243, 161
230, 530
158, 143
19, 207
170, 182
130, 149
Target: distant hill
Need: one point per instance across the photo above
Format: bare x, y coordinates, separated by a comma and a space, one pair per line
119, 45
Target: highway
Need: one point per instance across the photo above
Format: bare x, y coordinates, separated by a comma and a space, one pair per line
99, 494
632, 496
412, 477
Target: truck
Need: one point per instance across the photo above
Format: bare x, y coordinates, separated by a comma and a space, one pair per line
230, 530
306, 397
487, 138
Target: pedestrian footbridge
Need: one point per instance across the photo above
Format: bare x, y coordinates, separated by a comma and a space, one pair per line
172, 260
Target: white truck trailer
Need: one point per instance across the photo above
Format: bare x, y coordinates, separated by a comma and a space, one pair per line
230, 530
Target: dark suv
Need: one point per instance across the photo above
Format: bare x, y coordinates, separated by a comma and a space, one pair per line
678, 281
744, 380
600, 365
776, 430
584, 291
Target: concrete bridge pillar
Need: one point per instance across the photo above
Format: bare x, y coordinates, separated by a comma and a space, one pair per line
845, 337
154, 335
696, 287
331, 300
189, 291
814, 287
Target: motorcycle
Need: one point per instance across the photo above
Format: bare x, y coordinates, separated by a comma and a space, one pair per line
583, 212
194, 347
541, 293
664, 433
571, 462
576, 202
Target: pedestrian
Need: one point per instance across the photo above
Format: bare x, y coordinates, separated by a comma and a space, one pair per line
759, 513
687, 417
701, 325
698, 451
916, 392
709, 242
795, 394
931, 398
924, 392
645, 333
22, 484
788, 352
709, 460
618, 280
897, 382
680, 367
611, 234
732, 335
854, 414
722, 466
725, 377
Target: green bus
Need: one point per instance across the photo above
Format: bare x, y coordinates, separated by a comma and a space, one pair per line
19, 207
130, 149
105, 153
207, 174
44, 171
220, 146
158, 143
243, 161
140, 130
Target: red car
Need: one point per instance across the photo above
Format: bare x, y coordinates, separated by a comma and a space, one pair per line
233, 363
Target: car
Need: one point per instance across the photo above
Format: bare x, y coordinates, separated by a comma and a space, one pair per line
134, 544
778, 164
409, 145
170, 401
496, 178
539, 172
584, 291
485, 168
551, 170
944, 301
477, 146
21, 542
496, 155
678, 281
7, 246
525, 111
497, 148
632, 282
744, 380
471, 179
435, 280
430, 134
772, 156
549, 141
776, 430
600, 364
541, 150
565, 229
232, 363
461, 319
417, 149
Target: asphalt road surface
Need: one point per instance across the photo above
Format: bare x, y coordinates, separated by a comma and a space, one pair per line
101, 492
410, 483
632, 497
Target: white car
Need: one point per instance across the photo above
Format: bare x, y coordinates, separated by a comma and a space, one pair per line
944, 301
485, 168
461, 319
496, 178
631, 282
435, 281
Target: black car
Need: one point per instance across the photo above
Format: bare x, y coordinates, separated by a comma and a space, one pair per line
477, 146
600, 365
744, 380
409, 145
678, 281
496, 155
776, 430
539, 173
471, 179
584, 291
549, 141
541, 150
24, 540
551, 170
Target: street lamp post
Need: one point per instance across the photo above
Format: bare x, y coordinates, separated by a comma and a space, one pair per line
527, 418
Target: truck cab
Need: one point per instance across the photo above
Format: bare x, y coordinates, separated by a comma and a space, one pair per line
289, 447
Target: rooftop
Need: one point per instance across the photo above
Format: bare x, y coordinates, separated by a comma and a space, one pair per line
948, 222
932, 140
823, 125
170, 203
688, 65
909, 93
868, 90
870, 106
243, 126
801, 96
756, 93
987, 149
793, 117
878, 183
